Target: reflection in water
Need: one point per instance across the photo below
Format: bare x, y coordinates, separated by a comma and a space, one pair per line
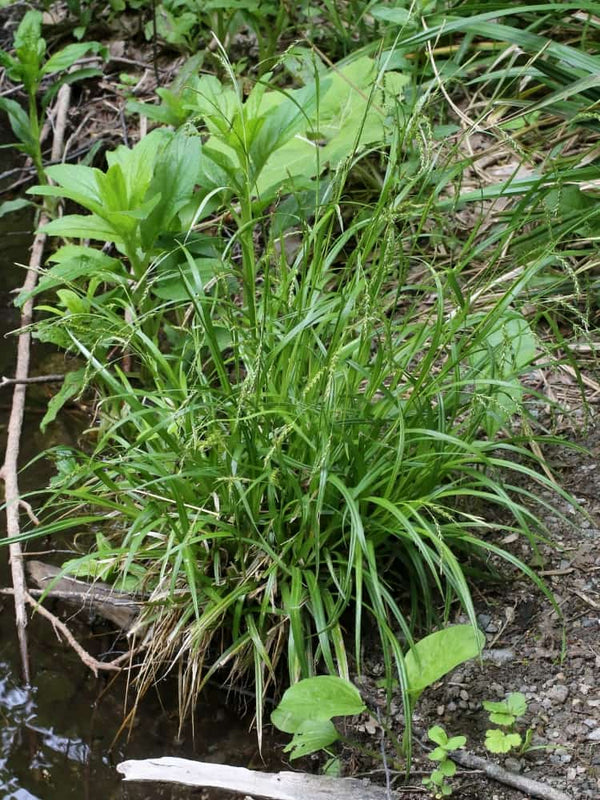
18, 712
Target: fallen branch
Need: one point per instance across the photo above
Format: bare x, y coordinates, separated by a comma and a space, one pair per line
60, 628
528, 786
36, 379
117, 607
272, 785
9, 470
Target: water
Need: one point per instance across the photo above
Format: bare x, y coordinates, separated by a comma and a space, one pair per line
57, 738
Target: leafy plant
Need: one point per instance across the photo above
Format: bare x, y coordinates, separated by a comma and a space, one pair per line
30, 67
437, 782
506, 713
307, 708
439, 653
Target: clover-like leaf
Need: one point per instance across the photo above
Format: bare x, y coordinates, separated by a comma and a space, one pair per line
448, 768
517, 704
319, 698
438, 735
456, 742
497, 741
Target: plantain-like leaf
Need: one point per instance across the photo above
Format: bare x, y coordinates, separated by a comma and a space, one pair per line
311, 736
319, 698
437, 654
66, 57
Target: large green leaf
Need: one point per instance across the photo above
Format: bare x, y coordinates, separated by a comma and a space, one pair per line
311, 736
76, 226
19, 122
318, 698
174, 180
437, 654
66, 57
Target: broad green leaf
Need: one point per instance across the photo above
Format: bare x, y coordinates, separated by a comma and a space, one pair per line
516, 703
437, 654
502, 718
318, 698
10, 206
174, 179
506, 711
66, 57
137, 164
438, 754
81, 182
312, 735
438, 735
76, 226
496, 741
448, 768
456, 742
72, 385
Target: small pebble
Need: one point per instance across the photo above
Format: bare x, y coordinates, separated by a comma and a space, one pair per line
558, 694
512, 764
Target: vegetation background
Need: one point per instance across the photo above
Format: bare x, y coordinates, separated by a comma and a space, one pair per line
320, 303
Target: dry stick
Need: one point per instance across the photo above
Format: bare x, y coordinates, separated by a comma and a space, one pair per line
60, 628
497, 773
11, 459
4, 381
526, 785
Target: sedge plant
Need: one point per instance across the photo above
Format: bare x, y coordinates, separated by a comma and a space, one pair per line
307, 455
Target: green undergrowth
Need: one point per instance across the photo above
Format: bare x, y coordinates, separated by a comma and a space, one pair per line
307, 318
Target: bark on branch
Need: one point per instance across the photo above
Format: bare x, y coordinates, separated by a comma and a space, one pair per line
10, 468
275, 786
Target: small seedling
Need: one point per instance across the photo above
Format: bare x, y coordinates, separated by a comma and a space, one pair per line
437, 781
506, 713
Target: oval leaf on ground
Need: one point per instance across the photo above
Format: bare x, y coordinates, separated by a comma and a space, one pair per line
437, 654
319, 698
313, 735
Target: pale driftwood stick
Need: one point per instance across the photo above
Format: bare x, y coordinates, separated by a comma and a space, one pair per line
11, 459
272, 785
526, 785
36, 379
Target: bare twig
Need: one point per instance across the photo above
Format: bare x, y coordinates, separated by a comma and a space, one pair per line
61, 628
526, 785
11, 459
4, 381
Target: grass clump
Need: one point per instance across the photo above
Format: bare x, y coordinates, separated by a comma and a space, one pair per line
286, 486
300, 449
